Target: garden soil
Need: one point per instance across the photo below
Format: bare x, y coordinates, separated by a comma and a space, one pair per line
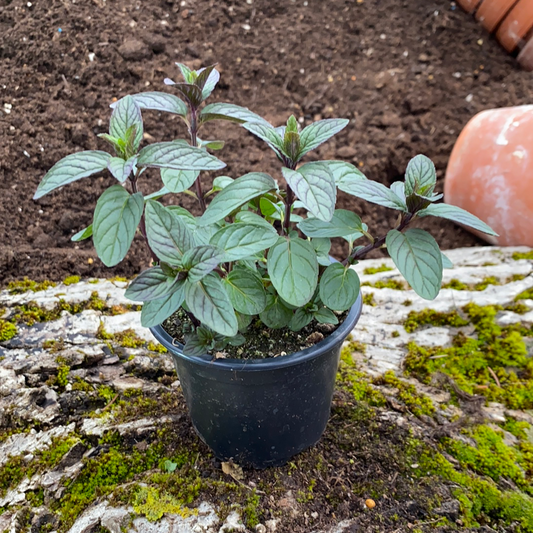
408, 75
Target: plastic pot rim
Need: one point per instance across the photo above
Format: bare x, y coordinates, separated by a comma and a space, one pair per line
271, 363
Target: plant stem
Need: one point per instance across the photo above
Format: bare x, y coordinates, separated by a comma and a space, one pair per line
193, 130
142, 223
289, 199
361, 252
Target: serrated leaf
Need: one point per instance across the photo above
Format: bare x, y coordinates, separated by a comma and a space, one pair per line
126, 114
300, 319
343, 223
177, 181
231, 112
201, 260
373, 192
159, 101
326, 316
83, 234
339, 287
246, 291
116, 218
420, 176
157, 311
417, 256
314, 185
209, 302
319, 132
293, 269
241, 191
456, 214
167, 234
207, 80
276, 315
268, 134
177, 155
240, 241
150, 285
72, 168
121, 169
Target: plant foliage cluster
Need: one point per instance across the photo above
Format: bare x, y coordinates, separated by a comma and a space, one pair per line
260, 248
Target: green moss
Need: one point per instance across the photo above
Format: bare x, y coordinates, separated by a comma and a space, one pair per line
389, 284
374, 270
518, 308
395, 334
482, 285
7, 331
53, 345
71, 280
516, 277
81, 385
306, 496
368, 299
525, 295
153, 504
26, 285
156, 347
523, 255
493, 362
251, 511
435, 318
456, 285
407, 303
416, 402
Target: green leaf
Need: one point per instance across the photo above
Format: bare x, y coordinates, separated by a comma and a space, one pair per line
322, 247
83, 234
72, 168
201, 260
247, 217
339, 287
344, 173
207, 80
373, 192
188, 75
326, 316
292, 125
221, 182
167, 234
314, 185
243, 321
417, 256
319, 132
150, 285
157, 194
177, 155
181, 212
420, 176
291, 145
276, 315
246, 292
125, 115
293, 270
116, 218
241, 191
189, 91
268, 134
240, 241
159, 101
300, 319
446, 263
456, 214
157, 311
231, 112
178, 180
212, 145
398, 188
343, 223
121, 169
209, 302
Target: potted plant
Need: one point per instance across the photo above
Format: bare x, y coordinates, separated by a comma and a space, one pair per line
253, 266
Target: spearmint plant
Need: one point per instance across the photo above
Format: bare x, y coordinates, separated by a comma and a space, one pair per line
249, 256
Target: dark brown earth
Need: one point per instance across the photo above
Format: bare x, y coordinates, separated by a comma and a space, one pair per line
389, 66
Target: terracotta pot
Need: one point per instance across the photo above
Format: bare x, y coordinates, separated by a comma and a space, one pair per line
516, 25
490, 173
469, 5
491, 12
525, 57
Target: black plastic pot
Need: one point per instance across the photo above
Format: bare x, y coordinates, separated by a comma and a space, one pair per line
260, 413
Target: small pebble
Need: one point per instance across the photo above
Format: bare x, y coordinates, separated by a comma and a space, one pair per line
370, 503
469, 98
246, 27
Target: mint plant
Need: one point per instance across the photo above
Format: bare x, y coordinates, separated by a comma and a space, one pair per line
260, 249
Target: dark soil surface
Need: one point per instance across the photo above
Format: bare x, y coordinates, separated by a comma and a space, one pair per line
403, 72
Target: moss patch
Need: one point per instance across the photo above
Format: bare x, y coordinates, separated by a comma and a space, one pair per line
523, 255
415, 319
71, 280
7, 330
525, 295
375, 270
388, 284
26, 285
